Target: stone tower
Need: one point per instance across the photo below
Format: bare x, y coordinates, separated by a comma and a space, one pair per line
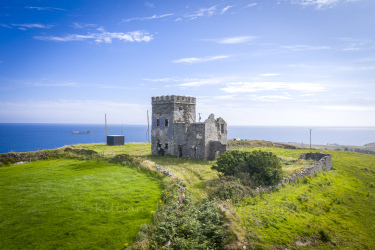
176, 132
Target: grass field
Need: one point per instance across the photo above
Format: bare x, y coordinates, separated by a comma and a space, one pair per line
329, 210
71, 204
332, 209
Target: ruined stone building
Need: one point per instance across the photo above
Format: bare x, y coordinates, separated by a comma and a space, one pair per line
176, 132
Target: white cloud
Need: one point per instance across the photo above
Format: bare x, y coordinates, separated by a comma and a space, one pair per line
232, 40
225, 9
321, 4
203, 12
304, 47
104, 36
270, 74
199, 60
353, 44
349, 108
270, 98
62, 84
5, 26
356, 68
83, 25
250, 5
251, 87
162, 80
147, 18
32, 25
44, 8
201, 82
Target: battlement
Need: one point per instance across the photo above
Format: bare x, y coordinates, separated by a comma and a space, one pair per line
173, 99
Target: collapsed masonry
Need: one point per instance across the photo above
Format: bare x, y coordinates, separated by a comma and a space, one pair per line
176, 132
322, 162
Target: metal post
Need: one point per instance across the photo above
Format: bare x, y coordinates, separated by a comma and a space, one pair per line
310, 138
106, 134
148, 128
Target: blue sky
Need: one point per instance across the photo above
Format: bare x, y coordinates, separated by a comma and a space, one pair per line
281, 62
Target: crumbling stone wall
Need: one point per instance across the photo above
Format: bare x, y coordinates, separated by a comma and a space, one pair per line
323, 162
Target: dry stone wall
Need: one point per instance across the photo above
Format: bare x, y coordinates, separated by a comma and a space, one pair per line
323, 162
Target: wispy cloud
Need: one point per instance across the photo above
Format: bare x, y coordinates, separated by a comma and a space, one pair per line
149, 4
83, 25
5, 26
147, 18
103, 36
349, 107
44, 8
162, 80
250, 5
199, 60
320, 4
203, 12
304, 47
225, 9
232, 40
251, 87
61, 84
355, 44
201, 82
269, 74
32, 25
270, 98
356, 68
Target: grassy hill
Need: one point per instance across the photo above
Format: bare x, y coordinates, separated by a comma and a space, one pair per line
329, 210
321, 212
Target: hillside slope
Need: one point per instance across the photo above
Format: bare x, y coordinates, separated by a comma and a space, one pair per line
324, 211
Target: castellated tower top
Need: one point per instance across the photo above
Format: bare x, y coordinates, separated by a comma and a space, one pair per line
173, 99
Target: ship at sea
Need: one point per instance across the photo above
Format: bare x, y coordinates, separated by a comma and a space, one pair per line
85, 132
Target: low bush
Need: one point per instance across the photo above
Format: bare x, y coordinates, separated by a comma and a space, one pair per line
252, 168
228, 187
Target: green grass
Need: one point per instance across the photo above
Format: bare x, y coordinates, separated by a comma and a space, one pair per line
332, 209
71, 204
193, 172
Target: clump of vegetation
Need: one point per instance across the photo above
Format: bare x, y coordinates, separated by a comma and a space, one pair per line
228, 187
251, 168
187, 225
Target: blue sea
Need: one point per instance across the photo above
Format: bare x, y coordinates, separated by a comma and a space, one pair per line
21, 137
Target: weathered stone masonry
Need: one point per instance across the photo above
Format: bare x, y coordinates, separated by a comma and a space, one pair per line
176, 132
323, 162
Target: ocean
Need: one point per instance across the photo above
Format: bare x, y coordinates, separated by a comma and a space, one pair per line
24, 137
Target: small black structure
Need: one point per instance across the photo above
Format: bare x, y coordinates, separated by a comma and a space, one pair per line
115, 140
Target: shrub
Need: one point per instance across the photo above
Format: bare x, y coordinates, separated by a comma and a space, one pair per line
252, 168
228, 188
